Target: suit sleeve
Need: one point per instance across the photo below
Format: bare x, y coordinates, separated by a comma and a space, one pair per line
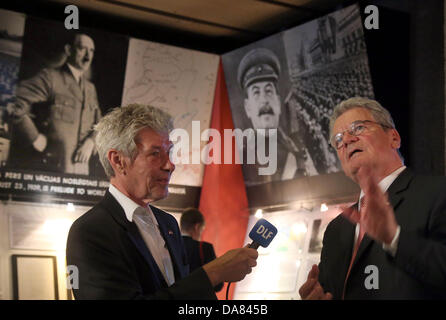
106, 273
424, 255
209, 255
324, 279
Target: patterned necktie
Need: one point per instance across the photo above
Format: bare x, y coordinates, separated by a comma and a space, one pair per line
357, 244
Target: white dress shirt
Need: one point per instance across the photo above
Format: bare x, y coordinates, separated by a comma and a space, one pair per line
384, 184
148, 227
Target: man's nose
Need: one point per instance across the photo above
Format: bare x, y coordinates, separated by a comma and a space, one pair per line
348, 138
168, 165
263, 97
89, 54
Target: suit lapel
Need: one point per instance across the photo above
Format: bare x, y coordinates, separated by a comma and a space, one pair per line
396, 194
365, 243
395, 198
169, 238
138, 241
347, 239
133, 233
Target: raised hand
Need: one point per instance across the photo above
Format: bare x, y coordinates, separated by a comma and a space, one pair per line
312, 289
376, 216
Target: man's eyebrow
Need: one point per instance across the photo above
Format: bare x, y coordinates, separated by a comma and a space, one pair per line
158, 147
253, 87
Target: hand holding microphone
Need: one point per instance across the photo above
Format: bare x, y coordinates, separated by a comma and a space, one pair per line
235, 264
261, 234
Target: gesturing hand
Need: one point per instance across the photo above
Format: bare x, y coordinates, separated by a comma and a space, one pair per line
312, 289
376, 216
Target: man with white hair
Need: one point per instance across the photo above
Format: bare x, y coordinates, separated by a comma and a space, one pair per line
392, 243
124, 247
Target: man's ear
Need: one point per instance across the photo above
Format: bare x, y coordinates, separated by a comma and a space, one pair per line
247, 108
196, 230
280, 104
67, 49
396, 139
117, 161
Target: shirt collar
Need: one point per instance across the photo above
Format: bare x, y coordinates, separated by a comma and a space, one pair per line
128, 204
77, 74
385, 183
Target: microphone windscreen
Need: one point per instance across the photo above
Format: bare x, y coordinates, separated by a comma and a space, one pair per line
263, 233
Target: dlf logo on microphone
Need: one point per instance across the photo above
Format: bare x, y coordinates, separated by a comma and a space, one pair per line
263, 233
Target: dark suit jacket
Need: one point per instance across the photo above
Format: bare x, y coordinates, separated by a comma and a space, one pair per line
198, 254
418, 270
115, 263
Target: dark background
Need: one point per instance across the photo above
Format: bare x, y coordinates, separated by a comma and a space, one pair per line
388, 50
413, 83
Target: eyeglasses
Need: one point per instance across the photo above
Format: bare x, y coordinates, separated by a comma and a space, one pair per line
355, 129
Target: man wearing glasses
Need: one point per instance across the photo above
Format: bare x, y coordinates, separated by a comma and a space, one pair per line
392, 243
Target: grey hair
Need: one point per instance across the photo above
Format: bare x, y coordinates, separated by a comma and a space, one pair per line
119, 128
378, 112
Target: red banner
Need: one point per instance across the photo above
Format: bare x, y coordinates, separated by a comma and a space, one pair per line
223, 199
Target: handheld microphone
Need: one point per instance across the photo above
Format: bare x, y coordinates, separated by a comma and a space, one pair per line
262, 234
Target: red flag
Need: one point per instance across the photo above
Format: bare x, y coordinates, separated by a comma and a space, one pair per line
223, 199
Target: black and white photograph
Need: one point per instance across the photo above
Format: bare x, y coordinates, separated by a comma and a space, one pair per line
327, 61
291, 82
258, 81
68, 80
12, 26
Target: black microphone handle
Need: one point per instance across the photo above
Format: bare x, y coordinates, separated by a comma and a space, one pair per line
254, 245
